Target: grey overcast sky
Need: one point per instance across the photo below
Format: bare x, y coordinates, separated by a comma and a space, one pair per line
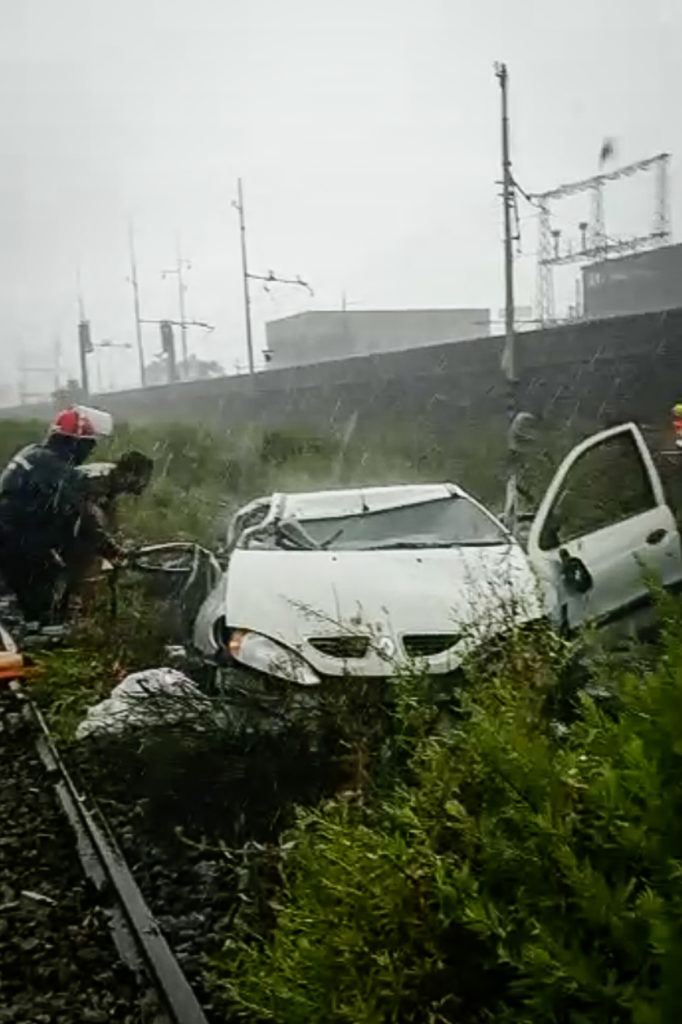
366, 132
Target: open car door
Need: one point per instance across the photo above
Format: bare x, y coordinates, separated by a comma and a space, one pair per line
604, 531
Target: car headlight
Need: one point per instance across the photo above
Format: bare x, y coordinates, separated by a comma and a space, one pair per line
266, 655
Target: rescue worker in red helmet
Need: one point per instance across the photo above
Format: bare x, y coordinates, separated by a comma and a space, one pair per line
44, 510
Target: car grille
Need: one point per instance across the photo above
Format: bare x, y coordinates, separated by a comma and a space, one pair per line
425, 645
343, 647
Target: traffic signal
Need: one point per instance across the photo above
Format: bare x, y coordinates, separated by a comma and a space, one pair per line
167, 341
84, 339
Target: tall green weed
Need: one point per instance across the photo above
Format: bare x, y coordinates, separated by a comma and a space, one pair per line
503, 869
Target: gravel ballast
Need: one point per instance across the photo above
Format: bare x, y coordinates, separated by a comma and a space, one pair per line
58, 963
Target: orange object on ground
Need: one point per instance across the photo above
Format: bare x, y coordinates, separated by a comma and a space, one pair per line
15, 666
10, 660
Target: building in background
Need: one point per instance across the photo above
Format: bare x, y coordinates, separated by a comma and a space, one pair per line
641, 283
318, 336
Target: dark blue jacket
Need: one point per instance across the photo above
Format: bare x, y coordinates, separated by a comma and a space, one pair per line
44, 498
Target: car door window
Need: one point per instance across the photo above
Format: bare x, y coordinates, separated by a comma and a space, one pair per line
607, 484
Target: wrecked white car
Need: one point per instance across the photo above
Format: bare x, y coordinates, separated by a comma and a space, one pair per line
358, 582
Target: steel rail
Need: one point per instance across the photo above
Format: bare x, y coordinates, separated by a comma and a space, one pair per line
137, 936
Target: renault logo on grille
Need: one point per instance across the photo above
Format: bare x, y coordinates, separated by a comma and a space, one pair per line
385, 647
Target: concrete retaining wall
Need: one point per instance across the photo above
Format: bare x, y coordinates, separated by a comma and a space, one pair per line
625, 367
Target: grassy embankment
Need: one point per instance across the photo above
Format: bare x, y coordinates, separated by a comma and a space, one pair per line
495, 868
200, 477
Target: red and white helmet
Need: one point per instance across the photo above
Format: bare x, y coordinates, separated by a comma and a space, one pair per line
72, 423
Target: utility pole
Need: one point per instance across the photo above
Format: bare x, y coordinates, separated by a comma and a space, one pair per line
57, 362
84, 340
269, 278
594, 244
180, 264
509, 358
84, 347
181, 307
81, 304
239, 205
509, 361
136, 305
347, 334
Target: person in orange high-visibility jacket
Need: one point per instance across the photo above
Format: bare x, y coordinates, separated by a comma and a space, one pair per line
677, 424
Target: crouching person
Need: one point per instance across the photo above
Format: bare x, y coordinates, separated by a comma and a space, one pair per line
106, 482
44, 507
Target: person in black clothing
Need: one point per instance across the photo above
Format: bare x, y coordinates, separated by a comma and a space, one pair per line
109, 481
45, 514
106, 483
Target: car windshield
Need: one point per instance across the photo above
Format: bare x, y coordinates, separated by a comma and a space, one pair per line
445, 522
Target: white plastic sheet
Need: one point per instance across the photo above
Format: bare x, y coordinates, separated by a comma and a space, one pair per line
153, 698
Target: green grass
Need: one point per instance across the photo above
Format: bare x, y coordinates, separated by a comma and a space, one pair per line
492, 869
201, 476
483, 866
100, 652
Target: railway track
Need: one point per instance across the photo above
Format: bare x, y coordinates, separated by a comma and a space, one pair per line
55, 931
177, 849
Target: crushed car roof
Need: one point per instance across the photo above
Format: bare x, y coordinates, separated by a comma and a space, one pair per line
355, 501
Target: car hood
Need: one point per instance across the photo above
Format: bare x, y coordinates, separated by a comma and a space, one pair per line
392, 597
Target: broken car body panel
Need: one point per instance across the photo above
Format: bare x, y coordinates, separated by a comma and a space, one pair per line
392, 575
621, 531
360, 581
359, 613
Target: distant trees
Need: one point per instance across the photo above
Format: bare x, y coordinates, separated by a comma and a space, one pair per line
193, 369
69, 394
